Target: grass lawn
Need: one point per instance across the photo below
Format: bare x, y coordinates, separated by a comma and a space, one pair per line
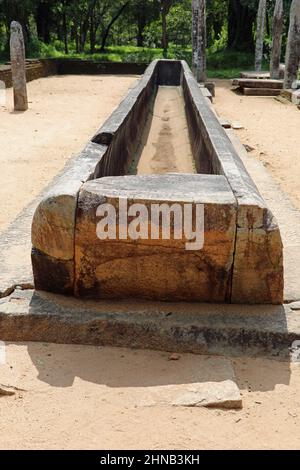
221, 64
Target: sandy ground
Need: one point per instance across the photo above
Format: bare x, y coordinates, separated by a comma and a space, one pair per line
79, 397
64, 113
272, 128
166, 135
87, 397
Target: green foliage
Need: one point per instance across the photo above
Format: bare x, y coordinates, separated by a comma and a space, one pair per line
227, 59
219, 63
112, 29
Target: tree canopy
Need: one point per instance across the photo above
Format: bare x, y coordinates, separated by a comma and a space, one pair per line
91, 26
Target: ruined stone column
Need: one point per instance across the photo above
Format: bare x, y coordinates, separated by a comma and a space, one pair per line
277, 39
2, 93
261, 19
292, 56
17, 57
199, 40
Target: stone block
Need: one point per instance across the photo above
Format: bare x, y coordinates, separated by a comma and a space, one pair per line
53, 224
296, 97
52, 274
156, 269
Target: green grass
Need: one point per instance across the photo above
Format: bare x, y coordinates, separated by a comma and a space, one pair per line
221, 64
225, 73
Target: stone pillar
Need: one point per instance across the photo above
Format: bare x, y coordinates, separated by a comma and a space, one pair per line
17, 57
292, 56
199, 40
2, 93
276, 40
261, 20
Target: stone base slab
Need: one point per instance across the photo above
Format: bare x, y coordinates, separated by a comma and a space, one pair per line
175, 327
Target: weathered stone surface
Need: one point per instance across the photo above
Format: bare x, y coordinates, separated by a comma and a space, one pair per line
6, 391
206, 93
224, 394
211, 86
254, 281
296, 85
196, 381
260, 30
256, 235
278, 21
296, 97
173, 327
254, 74
261, 91
262, 75
225, 123
237, 126
295, 305
52, 274
258, 260
288, 218
199, 39
17, 55
257, 83
156, 269
258, 266
53, 224
292, 55
54, 219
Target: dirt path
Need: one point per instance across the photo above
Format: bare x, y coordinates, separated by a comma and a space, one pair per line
64, 113
80, 397
272, 128
166, 143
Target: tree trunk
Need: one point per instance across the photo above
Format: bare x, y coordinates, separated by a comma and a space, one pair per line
165, 6
92, 36
86, 24
292, 57
141, 24
77, 41
65, 30
109, 26
164, 34
260, 33
240, 26
83, 35
43, 21
199, 40
277, 39
268, 30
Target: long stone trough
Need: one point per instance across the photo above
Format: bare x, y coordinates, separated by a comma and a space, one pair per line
240, 260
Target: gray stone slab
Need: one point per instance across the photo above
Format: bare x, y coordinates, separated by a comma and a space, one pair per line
258, 83
295, 305
222, 394
288, 218
53, 223
206, 93
168, 187
15, 247
196, 381
118, 118
253, 74
296, 97
175, 327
